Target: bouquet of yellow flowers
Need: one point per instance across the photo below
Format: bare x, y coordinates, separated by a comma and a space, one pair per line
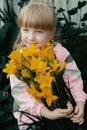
40, 69
36, 67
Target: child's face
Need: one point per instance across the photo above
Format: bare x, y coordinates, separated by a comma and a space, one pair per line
36, 36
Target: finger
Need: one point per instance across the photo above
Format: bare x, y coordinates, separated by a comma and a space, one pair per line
69, 106
62, 115
63, 111
77, 120
76, 110
77, 116
81, 122
69, 116
74, 118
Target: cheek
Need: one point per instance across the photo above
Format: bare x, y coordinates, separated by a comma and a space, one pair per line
44, 38
47, 36
23, 38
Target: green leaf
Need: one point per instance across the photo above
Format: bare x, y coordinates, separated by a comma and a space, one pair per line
81, 4
72, 11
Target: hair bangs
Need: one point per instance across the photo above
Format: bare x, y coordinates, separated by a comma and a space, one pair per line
36, 17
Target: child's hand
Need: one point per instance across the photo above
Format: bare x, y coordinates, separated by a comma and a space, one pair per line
62, 113
78, 116
57, 113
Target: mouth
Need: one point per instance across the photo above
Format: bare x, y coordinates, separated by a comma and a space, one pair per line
29, 44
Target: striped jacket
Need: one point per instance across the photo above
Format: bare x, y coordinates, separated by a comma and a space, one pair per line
25, 102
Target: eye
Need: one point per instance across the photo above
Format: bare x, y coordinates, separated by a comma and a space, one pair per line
39, 31
25, 29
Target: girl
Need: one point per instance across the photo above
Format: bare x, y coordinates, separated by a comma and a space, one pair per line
37, 22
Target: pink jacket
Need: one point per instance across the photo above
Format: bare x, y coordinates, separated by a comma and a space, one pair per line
25, 102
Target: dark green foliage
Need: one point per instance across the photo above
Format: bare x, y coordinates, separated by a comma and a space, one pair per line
75, 40
73, 37
8, 33
8, 15
6, 101
21, 3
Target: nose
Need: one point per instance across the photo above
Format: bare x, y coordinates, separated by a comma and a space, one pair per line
31, 36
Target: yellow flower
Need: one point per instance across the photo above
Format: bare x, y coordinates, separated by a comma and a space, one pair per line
25, 64
34, 92
16, 56
47, 52
25, 73
31, 51
50, 97
62, 66
11, 68
44, 80
38, 65
46, 94
55, 65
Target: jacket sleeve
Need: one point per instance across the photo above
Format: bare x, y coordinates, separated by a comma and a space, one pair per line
25, 101
72, 75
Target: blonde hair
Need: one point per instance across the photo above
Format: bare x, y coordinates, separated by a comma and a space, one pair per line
39, 15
